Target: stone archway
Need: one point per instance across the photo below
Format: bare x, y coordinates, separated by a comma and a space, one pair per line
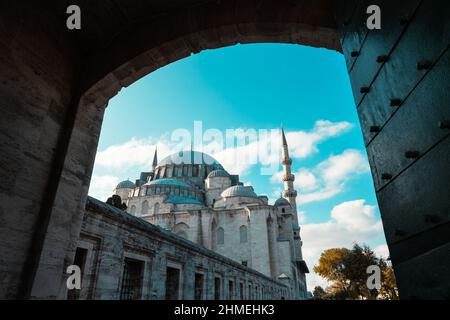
69, 78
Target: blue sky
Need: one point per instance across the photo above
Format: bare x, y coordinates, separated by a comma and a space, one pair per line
258, 86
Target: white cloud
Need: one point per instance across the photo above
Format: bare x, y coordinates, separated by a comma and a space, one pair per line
237, 159
135, 152
329, 177
305, 180
302, 144
101, 187
301, 215
356, 217
350, 222
382, 251
337, 169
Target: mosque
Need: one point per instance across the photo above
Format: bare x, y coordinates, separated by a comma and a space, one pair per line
192, 195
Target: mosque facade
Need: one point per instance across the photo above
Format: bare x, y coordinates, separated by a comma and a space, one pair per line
193, 196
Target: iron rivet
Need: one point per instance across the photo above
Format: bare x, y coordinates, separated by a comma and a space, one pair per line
382, 59
375, 129
396, 102
354, 54
424, 65
444, 124
386, 176
364, 90
412, 154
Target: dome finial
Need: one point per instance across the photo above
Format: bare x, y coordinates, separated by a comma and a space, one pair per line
126, 184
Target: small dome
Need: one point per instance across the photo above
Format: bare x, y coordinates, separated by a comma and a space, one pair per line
170, 182
281, 202
239, 191
126, 184
218, 173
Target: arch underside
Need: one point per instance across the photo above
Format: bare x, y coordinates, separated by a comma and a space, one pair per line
142, 47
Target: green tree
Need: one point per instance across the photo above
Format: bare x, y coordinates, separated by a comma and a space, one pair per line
346, 269
331, 267
388, 289
356, 262
318, 293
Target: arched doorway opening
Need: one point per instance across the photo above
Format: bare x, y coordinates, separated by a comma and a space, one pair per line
390, 70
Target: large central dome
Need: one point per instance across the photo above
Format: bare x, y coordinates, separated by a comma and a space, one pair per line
190, 157
191, 166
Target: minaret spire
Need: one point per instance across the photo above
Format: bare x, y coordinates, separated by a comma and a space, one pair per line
288, 178
283, 137
155, 159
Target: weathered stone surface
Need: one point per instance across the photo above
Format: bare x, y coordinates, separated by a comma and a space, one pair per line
111, 234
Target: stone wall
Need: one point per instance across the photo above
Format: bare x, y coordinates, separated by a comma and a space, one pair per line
37, 77
111, 235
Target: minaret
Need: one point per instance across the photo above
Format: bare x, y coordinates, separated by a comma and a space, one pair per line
290, 194
288, 178
155, 159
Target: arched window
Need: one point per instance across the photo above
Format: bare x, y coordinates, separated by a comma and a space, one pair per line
213, 235
283, 210
220, 236
243, 234
133, 209
144, 208
181, 229
156, 208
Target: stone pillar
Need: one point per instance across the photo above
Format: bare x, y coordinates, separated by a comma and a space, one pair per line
189, 279
67, 209
37, 93
158, 276
110, 268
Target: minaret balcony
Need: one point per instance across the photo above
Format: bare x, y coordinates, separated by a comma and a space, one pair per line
286, 162
288, 177
289, 193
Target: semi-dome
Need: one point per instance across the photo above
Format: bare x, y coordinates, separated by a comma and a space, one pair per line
218, 173
282, 202
169, 182
182, 200
126, 184
190, 157
239, 191
181, 191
